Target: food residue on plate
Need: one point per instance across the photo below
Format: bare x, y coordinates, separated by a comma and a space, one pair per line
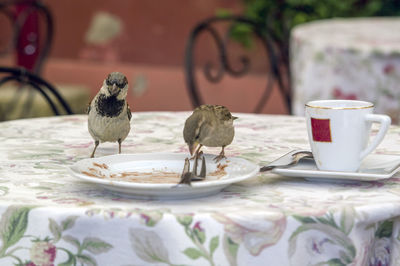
103, 165
155, 176
220, 170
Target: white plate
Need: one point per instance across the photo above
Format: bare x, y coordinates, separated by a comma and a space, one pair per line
374, 167
237, 169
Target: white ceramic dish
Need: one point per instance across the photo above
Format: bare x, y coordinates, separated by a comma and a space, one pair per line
374, 167
237, 169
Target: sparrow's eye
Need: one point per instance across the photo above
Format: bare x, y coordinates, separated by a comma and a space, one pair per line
108, 82
120, 85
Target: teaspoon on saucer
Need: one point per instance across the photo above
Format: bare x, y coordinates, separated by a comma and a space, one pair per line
294, 159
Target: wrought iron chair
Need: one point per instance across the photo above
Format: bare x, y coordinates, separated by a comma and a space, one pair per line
214, 74
48, 91
30, 80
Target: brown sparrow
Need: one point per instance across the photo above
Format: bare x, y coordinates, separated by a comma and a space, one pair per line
210, 126
109, 113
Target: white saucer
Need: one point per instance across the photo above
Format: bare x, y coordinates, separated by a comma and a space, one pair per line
107, 172
374, 167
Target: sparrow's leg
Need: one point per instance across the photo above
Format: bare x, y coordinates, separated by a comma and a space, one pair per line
119, 145
96, 143
220, 156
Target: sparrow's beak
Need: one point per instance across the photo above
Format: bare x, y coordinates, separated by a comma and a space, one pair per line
192, 147
114, 89
234, 117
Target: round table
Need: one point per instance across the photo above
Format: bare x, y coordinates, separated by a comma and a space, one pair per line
353, 58
48, 217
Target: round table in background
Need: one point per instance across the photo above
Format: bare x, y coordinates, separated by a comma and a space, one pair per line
48, 217
353, 58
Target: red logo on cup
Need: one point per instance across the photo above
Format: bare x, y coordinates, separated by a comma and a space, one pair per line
321, 130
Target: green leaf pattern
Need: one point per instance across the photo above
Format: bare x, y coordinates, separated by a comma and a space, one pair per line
335, 235
13, 225
43, 251
148, 246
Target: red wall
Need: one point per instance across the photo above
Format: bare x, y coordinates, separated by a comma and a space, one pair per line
155, 32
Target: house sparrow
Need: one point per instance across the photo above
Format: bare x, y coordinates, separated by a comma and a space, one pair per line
109, 113
211, 126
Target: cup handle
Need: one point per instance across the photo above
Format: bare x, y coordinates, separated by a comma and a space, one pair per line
385, 122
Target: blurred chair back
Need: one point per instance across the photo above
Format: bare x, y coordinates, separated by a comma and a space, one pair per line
34, 83
30, 41
214, 72
32, 32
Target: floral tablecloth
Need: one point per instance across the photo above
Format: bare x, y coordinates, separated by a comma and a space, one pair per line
354, 58
48, 217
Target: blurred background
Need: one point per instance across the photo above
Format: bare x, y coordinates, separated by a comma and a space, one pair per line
147, 40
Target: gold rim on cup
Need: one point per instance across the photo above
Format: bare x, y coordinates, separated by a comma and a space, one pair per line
370, 105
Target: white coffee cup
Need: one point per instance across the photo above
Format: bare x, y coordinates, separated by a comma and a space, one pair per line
339, 130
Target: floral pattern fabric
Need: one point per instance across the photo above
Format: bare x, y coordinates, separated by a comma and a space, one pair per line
356, 58
48, 217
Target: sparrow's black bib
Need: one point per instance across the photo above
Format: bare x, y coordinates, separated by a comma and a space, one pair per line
109, 106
